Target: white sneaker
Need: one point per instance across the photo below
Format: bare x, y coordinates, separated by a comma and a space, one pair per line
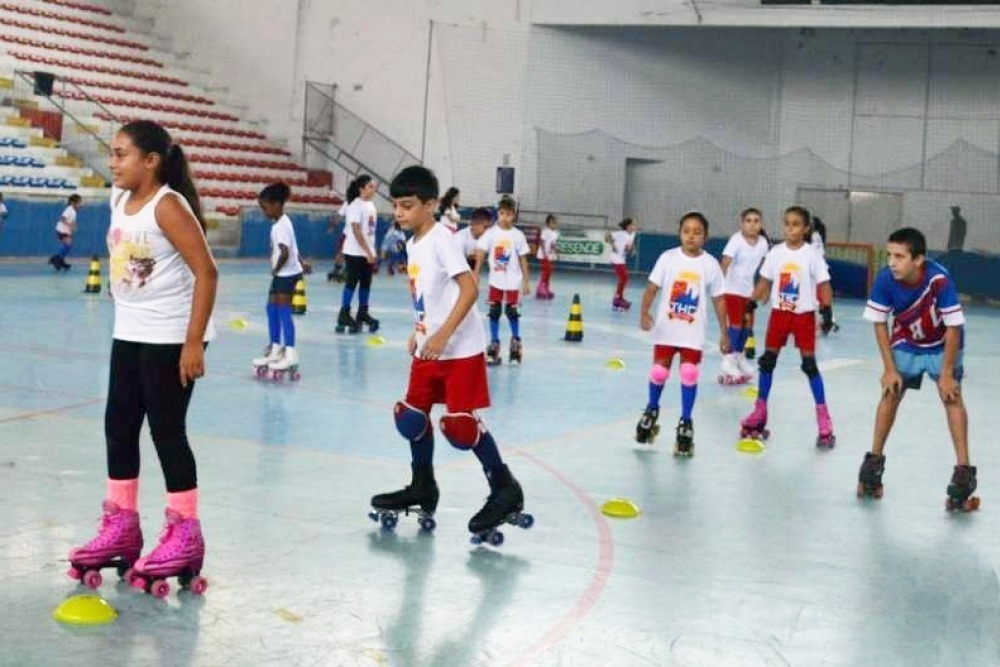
272, 353
289, 359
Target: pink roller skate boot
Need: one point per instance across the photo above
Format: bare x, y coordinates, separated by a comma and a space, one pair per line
754, 425
180, 554
826, 438
118, 544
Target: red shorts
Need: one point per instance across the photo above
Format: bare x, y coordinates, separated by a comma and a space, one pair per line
664, 355
460, 384
736, 308
800, 325
497, 295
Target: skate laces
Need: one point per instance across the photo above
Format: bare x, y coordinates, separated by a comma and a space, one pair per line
109, 524
169, 546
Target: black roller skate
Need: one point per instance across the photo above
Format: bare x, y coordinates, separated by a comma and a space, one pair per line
684, 446
346, 323
870, 476
647, 429
963, 484
365, 319
420, 497
493, 354
515, 350
505, 504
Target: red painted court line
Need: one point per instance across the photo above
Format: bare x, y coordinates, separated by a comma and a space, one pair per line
589, 597
39, 413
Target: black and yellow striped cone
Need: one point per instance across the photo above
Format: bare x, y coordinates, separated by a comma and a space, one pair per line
574, 327
299, 298
93, 284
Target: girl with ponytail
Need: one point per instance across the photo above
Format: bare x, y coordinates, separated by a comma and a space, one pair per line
163, 279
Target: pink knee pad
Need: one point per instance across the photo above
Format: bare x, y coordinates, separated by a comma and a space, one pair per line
689, 374
658, 374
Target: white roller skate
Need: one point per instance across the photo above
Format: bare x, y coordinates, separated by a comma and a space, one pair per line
272, 353
729, 371
745, 365
287, 365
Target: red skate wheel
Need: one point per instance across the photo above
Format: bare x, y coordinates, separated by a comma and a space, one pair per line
137, 581
296, 376
971, 505
93, 579
198, 585
949, 504
74, 573
878, 492
276, 376
160, 588
861, 490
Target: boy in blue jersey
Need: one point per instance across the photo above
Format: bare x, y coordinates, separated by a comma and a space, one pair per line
918, 298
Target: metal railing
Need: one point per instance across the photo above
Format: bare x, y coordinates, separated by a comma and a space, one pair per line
88, 126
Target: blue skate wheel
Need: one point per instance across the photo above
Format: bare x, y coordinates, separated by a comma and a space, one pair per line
475, 539
373, 516
428, 524
526, 521
496, 539
389, 521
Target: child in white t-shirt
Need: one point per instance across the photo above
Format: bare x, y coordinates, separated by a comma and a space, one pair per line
467, 238
447, 366
622, 245
741, 258
689, 277
792, 274
546, 255
448, 209
286, 272
394, 249
338, 229
360, 255
507, 249
65, 229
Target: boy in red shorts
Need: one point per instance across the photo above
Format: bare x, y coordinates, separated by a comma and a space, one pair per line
507, 249
793, 273
448, 367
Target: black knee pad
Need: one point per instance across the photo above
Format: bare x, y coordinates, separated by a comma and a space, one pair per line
494, 311
767, 362
809, 367
512, 312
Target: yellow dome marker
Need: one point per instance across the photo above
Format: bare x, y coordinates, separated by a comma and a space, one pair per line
238, 324
376, 341
750, 446
85, 610
615, 364
620, 508
750, 392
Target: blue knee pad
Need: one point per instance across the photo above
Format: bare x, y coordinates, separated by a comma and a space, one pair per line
411, 423
462, 429
494, 311
512, 312
767, 362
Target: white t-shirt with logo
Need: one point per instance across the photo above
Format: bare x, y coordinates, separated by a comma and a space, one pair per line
621, 243
547, 244
363, 213
688, 285
433, 263
465, 241
504, 249
794, 275
152, 285
67, 221
283, 234
746, 259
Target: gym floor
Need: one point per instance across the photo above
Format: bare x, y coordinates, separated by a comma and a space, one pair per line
736, 559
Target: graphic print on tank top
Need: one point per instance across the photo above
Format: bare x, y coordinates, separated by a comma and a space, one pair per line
131, 262
789, 282
685, 295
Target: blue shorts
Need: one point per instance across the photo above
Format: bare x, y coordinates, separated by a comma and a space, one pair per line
284, 284
912, 366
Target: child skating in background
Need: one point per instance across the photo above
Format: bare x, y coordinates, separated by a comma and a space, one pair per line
919, 300
447, 366
359, 255
394, 249
689, 277
286, 270
65, 229
741, 258
448, 209
817, 238
546, 255
164, 281
622, 245
468, 237
792, 273
750, 347
507, 249
338, 228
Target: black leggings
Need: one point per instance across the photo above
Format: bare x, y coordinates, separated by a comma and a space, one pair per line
358, 271
145, 382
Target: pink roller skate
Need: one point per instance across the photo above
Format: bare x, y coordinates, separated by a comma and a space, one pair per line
754, 425
826, 438
179, 554
118, 545
620, 304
